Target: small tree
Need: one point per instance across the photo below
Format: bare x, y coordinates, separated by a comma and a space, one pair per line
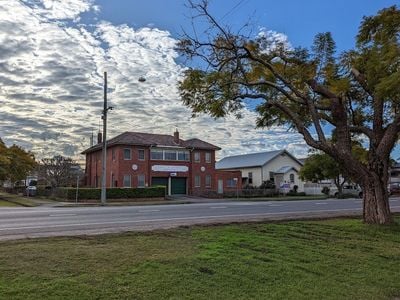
357, 93
21, 163
59, 171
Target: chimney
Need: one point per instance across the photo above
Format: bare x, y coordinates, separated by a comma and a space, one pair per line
99, 138
176, 136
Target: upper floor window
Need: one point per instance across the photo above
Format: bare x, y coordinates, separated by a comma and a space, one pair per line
197, 156
127, 154
141, 154
208, 157
169, 154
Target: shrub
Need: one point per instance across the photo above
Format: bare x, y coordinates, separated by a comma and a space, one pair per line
293, 193
112, 193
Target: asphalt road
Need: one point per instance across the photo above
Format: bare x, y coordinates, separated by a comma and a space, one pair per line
17, 223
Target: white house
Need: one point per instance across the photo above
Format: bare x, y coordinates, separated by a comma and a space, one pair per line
280, 167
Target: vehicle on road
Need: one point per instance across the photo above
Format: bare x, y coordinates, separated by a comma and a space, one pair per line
394, 188
354, 190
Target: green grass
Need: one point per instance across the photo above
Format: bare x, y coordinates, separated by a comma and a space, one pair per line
7, 204
18, 200
334, 259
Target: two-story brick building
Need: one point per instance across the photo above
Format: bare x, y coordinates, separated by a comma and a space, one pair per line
137, 159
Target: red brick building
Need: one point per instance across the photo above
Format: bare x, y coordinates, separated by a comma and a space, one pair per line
141, 159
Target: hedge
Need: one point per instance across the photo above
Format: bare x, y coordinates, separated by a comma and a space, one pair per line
112, 193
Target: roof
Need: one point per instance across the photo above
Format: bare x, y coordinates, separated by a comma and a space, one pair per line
151, 139
285, 169
251, 160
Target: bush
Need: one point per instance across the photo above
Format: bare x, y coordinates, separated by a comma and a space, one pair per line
112, 193
293, 193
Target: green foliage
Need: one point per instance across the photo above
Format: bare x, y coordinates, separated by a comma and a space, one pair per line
112, 193
319, 166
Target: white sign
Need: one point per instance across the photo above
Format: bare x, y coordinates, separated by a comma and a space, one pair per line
134, 167
164, 168
172, 174
202, 169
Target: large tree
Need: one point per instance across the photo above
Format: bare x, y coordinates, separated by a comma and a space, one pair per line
356, 93
20, 163
59, 171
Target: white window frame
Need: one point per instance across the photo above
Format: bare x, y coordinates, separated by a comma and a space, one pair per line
197, 181
144, 154
195, 154
144, 180
208, 184
208, 157
130, 181
130, 154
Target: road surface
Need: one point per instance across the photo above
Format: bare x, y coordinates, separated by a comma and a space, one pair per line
17, 223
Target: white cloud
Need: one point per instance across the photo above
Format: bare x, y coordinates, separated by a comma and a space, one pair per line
51, 76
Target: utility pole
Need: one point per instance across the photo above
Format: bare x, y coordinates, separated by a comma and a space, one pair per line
104, 156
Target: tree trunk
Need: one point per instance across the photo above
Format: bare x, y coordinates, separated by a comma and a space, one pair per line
376, 208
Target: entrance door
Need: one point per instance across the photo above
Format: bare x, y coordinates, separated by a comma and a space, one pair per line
157, 181
220, 186
178, 186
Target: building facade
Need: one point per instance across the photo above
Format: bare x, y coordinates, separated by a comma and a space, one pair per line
141, 160
279, 167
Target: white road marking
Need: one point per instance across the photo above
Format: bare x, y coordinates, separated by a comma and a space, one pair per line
148, 210
62, 215
217, 207
276, 205
321, 203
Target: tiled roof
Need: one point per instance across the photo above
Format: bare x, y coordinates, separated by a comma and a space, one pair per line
150, 139
250, 160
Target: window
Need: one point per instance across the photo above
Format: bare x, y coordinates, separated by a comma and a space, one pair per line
112, 180
113, 154
231, 182
272, 177
127, 181
291, 176
183, 155
208, 180
208, 157
169, 155
141, 154
197, 156
156, 154
141, 181
197, 181
250, 177
127, 154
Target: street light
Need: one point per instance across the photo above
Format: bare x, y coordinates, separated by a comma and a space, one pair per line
106, 108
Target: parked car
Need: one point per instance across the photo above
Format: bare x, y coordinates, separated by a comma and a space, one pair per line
394, 188
354, 190
30, 191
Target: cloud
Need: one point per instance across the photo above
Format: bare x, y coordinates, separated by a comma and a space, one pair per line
51, 84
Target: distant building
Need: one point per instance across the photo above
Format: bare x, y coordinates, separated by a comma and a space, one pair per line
279, 167
136, 159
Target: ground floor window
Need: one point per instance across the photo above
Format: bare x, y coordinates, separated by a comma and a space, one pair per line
127, 181
141, 180
230, 182
208, 180
197, 181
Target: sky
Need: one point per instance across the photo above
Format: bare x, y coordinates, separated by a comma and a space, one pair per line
53, 54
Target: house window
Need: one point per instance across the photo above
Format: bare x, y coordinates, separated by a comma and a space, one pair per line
250, 176
291, 176
197, 181
113, 154
169, 155
208, 180
127, 154
141, 181
197, 156
156, 154
183, 155
208, 157
230, 182
112, 180
127, 181
272, 177
141, 154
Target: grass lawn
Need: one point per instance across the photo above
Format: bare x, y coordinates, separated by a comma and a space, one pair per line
18, 200
7, 204
334, 259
